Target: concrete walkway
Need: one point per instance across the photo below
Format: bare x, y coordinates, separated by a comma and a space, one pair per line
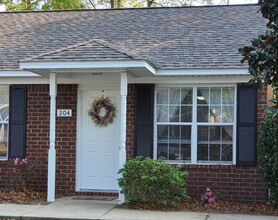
68, 208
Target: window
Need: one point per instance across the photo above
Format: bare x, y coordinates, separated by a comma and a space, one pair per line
195, 124
4, 120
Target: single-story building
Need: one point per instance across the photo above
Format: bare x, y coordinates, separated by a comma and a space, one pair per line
173, 75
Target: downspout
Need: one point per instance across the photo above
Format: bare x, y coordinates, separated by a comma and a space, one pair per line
52, 132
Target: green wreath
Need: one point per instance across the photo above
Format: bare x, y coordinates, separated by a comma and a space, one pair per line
110, 111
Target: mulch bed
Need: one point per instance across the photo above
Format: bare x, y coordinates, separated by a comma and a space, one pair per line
194, 205
229, 207
22, 197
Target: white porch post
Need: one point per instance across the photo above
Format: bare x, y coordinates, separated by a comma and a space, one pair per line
52, 130
122, 151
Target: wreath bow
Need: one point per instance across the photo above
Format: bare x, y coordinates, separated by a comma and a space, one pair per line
110, 111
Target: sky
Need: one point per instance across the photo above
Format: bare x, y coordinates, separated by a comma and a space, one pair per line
199, 2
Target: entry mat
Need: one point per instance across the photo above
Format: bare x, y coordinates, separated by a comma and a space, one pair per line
104, 198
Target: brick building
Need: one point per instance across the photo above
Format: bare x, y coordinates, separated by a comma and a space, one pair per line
177, 84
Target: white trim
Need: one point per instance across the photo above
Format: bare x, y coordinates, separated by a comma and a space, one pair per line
194, 124
52, 132
17, 73
201, 72
191, 79
194, 127
109, 64
122, 150
78, 138
235, 127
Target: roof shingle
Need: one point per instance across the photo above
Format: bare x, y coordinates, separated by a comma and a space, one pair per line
186, 37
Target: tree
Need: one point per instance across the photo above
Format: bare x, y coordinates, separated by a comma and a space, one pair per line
262, 56
64, 4
268, 153
20, 5
28, 5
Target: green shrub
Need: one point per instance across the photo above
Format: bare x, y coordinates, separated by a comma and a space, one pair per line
268, 153
152, 182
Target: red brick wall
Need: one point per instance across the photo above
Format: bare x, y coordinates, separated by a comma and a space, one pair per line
37, 141
130, 122
232, 182
38, 134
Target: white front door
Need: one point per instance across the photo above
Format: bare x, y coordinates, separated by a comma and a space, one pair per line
99, 146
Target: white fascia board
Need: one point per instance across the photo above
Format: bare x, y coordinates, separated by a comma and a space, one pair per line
86, 64
191, 79
201, 72
150, 68
17, 73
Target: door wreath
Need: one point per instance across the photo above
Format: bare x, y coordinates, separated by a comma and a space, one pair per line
97, 107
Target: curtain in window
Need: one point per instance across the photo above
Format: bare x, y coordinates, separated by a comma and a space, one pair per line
214, 100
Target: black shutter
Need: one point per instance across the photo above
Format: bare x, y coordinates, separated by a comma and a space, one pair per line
246, 125
144, 120
17, 121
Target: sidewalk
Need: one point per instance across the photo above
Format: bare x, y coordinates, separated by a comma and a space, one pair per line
67, 208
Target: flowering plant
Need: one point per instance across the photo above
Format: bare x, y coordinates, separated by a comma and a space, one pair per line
24, 173
208, 196
95, 110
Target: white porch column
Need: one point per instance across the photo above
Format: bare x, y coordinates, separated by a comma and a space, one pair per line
122, 151
52, 131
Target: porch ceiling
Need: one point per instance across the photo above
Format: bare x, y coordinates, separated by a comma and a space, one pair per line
73, 69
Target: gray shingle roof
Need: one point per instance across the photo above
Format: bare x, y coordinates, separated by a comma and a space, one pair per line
90, 50
192, 37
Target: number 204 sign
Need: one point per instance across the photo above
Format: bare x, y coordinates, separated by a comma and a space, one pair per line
64, 112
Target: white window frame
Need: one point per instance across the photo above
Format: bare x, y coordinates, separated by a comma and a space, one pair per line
194, 124
5, 122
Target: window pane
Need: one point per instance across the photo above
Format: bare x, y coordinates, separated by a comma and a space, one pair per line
162, 150
162, 96
174, 142
227, 152
202, 152
228, 95
202, 113
174, 96
215, 133
228, 114
4, 119
174, 133
186, 96
214, 153
174, 113
186, 142
186, 152
162, 133
215, 96
174, 152
162, 113
203, 133
4, 112
203, 96
186, 134
186, 114
215, 113
227, 133
3, 140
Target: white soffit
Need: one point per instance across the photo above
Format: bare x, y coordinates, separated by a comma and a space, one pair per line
45, 67
17, 73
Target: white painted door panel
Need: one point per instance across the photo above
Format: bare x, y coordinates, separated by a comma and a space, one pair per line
99, 147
